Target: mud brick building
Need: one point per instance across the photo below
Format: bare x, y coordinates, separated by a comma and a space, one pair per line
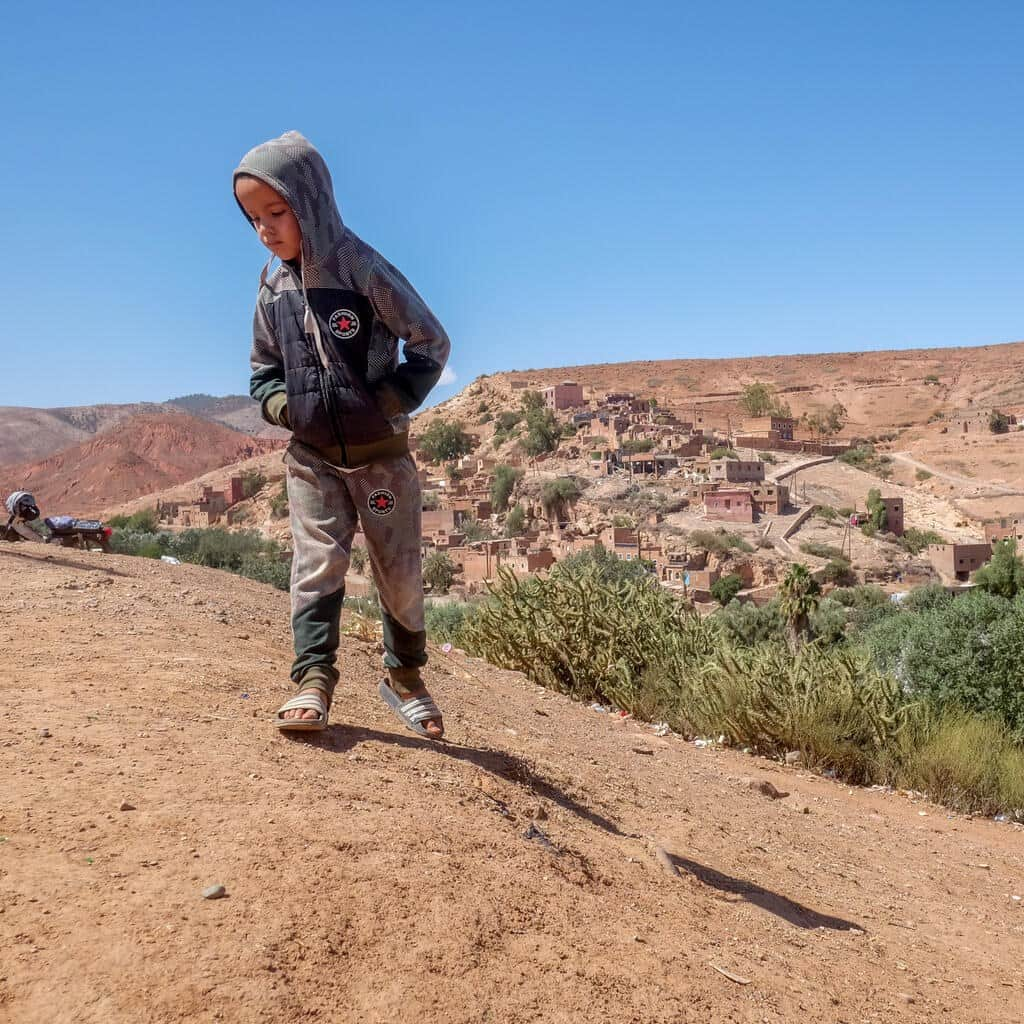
975, 421
207, 508
629, 544
764, 426
1005, 529
648, 464
735, 471
567, 395
958, 561
770, 499
893, 515
732, 504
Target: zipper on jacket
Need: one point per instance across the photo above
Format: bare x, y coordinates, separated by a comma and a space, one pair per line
324, 369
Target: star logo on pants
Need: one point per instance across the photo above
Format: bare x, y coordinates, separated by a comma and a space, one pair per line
381, 502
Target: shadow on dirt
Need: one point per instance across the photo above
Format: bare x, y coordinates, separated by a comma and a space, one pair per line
47, 556
789, 910
340, 739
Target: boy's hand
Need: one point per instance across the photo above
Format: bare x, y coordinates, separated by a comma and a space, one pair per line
388, 402
276, 409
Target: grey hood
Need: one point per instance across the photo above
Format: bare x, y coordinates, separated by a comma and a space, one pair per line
291, 166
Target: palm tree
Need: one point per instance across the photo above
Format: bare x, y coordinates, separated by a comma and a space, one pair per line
798, 598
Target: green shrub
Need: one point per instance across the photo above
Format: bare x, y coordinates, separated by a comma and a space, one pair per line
143, 521
358, 559
503, 483
819, 550
607, 566
542, 432
828, 703
923, 474
915, 540
998, 423
505, 421
253, 481
441, 441
826, 512
840, 572
718, 541
445, 621
515, 521
580, 634
557, 495
1004, 573
279, 502
140, 543
971, 764
744, 624
725, 588
474, 530
966, 653
267, 570
485, 418
438, 572
922, 599
828, 622
723, 453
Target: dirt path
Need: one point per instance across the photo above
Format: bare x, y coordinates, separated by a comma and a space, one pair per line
373, 877
980, 488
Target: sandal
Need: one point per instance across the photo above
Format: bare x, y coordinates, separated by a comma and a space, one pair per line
411, 711
313, 698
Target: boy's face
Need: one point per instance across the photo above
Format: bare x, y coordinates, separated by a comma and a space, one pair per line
271, 216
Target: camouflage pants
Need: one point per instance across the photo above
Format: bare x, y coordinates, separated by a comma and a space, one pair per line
326, 505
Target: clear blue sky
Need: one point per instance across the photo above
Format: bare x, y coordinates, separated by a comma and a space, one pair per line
564, 182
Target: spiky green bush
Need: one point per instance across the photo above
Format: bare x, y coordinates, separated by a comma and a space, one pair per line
831, 705
582, 634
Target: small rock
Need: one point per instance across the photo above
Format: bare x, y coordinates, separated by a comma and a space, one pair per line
214, 892
907, 998
44, 734
794, 757
540, 814
125, 806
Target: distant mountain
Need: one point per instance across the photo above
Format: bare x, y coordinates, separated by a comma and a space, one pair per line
29, 434
132, 457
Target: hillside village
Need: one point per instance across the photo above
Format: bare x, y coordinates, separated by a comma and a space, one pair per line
648, 481
699, 494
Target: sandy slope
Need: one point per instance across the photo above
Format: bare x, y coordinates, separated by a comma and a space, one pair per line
375, 877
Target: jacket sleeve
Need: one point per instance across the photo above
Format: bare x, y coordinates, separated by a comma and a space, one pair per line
267, 384
426, 346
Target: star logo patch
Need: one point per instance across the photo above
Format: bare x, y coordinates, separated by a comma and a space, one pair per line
344, 324
381, 502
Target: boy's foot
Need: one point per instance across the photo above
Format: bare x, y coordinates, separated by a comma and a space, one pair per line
315, 681
307, 712
434, 726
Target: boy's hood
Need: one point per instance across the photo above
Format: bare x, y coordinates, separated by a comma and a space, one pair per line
291, 165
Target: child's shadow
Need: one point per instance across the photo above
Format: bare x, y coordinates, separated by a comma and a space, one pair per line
339, 739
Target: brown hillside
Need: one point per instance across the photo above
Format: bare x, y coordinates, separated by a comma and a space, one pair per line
372, 876
28, 435
137, 456
881, 390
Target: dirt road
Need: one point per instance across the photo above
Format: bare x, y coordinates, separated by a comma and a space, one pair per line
373, 877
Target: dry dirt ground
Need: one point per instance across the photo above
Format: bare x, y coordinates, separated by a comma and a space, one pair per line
372, 876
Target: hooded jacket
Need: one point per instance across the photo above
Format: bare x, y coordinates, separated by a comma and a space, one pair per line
325, 332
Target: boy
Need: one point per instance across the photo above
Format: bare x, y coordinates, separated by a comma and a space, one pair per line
325, 366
